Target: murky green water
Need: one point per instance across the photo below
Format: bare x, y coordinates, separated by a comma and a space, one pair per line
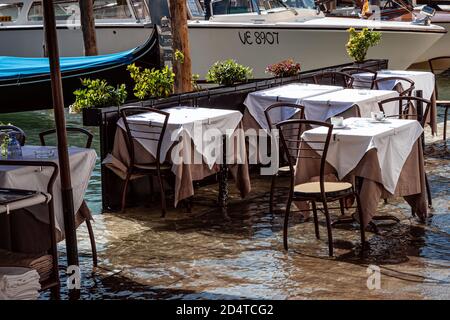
199, 256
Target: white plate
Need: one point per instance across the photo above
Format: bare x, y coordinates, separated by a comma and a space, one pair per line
379, 121
340, 127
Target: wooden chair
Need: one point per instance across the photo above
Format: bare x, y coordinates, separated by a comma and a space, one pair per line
284, 169
313, 192
399, 86
89, 135
50, 281
361, 84
153, 132
441, 103
87, 145
21, 134
411, 113
334, 78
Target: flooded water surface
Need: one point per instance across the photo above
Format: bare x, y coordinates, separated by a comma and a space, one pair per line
201, 255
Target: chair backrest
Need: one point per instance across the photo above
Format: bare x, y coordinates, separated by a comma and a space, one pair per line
294, 146
153, 131
438, 65
334, 78
279, 107
408, 112
398, 85
361, 83
89, 135
21, 136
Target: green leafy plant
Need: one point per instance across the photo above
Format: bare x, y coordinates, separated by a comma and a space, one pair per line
360, 42
4, 140
179, 56
285, 68
194, 81
98, 93
152, 83
228, 72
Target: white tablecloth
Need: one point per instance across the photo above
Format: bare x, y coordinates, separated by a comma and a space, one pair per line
82, 163
422, 80
325, 106
186, 123
257, 102
393, 140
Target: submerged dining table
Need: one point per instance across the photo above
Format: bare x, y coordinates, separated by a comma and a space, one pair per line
82, 163
423, 81
348, 103
258, 101
384, 159
192, 144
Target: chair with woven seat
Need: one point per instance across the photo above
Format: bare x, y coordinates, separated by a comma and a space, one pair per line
21, 136
410, 112
152, 132
89, 137
434, 67
276, 111
398, 85
334, 78
314, 192
45, 264
361, 83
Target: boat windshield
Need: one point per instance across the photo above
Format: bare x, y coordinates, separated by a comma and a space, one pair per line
301, 4
103, 9
10, 11
245, 6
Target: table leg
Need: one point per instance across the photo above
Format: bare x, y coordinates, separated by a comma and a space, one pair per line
223, 179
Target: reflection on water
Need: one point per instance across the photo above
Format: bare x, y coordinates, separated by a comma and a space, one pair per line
201, 256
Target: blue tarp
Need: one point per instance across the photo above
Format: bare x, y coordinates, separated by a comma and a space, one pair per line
19, 67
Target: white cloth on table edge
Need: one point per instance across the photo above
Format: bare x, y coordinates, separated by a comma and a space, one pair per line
423, 80
82, 163
323, 107
393, 141
256, 102
184, 123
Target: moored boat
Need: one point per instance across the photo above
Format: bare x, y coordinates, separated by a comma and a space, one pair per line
25, 83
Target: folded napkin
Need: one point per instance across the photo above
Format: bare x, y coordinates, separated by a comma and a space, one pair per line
17, 283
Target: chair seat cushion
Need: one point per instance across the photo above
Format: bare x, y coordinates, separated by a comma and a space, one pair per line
152, 166
332, 189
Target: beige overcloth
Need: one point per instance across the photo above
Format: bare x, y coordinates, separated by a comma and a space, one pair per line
410, 185
185, 173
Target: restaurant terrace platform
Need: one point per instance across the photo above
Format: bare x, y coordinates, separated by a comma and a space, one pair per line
199, 255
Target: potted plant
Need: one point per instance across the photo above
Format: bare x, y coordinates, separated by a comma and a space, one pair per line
96, 93
359, 43
285, 68
152, 83
228, 72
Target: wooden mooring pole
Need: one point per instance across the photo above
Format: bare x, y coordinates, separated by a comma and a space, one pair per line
88, 27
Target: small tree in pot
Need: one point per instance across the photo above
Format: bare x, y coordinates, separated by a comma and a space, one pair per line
359, 43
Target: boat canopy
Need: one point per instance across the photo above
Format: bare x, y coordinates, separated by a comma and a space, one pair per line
21, 67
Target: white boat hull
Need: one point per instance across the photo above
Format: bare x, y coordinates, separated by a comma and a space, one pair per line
313, 48
250, 44
440, 48
28, 41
